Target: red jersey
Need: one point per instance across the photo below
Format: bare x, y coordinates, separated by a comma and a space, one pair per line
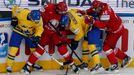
113, 23
50, 14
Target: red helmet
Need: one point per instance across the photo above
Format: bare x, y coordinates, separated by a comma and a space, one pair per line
96, 4
61, 7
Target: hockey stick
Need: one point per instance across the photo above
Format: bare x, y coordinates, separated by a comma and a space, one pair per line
66, 43
60, 63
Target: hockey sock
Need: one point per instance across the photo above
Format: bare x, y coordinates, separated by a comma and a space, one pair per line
119, 54
85, 51
62, 49
85, 56
35, 55
111, 56
11, 56
94, 53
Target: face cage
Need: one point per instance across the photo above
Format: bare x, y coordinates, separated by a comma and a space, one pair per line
97, 9
36, 21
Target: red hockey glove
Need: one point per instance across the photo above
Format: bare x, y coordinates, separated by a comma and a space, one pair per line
89, 20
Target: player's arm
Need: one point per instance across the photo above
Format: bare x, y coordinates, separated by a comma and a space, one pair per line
15, 10
104, 18
14, 19
89, 11
39, 28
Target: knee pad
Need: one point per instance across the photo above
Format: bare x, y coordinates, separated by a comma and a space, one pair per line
106, 47
13, 51
92, 47
62, 49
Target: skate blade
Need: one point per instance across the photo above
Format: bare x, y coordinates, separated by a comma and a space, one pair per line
97, 71
23, 72
86, 69
100, 70
8, 73
41, 70
112, 72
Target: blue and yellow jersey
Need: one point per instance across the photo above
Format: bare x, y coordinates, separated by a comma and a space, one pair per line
77, 24
24, 25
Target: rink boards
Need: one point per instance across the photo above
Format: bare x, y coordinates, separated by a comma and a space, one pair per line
126, 43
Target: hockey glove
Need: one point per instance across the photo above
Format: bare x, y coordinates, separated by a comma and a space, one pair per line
89, 20
74, 44
36, 39
14, 21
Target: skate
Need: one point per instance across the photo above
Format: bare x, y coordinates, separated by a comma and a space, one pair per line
98, 68
84, 66
113, 68
126, 62
75, 68
37, 67
9, 70
26, 69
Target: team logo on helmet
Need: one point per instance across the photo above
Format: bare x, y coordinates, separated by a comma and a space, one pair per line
10, 3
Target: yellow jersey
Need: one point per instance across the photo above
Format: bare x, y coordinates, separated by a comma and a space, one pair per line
24, 25
77, 24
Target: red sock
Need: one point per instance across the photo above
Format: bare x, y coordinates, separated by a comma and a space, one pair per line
65, 53
119, 54
110, 54
112, 58
35, 55
32, 59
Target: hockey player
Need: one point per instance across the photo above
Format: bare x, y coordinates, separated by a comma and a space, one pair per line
78, 25
114, 28
51, 16
26, 23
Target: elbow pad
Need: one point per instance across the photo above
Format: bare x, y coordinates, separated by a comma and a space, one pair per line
14, 21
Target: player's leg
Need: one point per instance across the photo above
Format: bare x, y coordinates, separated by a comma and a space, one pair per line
85, 54
62, 49
109, 43
118, 52
15, 42
33, 46
93, 40
36, 54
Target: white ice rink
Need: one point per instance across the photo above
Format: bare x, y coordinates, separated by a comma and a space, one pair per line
127, 71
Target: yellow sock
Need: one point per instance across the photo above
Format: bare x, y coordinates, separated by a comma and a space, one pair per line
94, 54
11, 56
85, 51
